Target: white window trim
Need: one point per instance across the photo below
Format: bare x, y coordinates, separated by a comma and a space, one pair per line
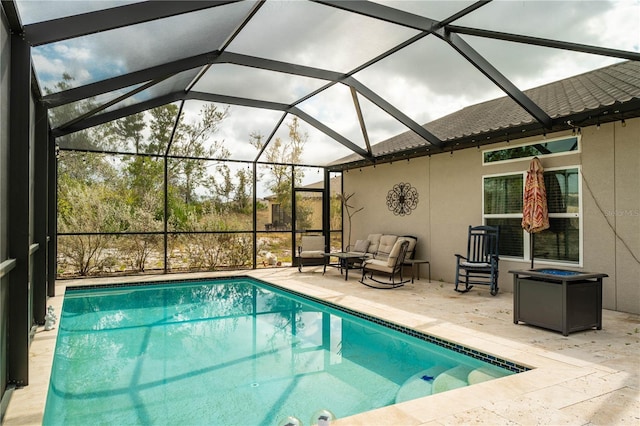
513, 160
526, 236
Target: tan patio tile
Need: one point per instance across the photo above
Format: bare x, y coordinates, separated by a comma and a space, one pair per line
524, 411
27, 417
510, 386
630, 364
441, 405
542, 377
615, 408
555, 396
476, 416
565, 358
595, 385
388, 416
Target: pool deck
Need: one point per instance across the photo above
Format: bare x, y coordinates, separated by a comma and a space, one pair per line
587, 378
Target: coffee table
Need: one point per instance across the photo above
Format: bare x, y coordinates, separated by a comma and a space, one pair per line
346, 261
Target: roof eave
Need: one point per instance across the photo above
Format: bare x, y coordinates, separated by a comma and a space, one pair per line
601, 115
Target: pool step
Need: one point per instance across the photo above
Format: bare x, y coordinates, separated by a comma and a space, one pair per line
419, 385
441, 379
452, 379
461, 376
483, 374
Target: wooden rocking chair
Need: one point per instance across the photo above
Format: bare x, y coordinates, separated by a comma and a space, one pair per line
480, 266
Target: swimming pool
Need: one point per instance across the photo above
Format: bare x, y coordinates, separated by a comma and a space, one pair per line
238, 351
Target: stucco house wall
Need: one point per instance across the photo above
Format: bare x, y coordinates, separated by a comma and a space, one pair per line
450, 199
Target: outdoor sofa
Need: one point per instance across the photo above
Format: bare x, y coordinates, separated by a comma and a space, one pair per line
379, 246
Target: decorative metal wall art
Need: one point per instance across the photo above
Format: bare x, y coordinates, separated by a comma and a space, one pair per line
402, 199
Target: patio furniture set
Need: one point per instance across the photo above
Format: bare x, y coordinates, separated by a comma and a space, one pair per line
556, 299
379, 253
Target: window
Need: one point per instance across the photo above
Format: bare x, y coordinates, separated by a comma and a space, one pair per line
502, 197
541, 149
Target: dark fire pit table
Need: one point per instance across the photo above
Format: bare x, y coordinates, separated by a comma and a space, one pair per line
558, 299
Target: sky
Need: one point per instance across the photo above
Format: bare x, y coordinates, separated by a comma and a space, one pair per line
425, 80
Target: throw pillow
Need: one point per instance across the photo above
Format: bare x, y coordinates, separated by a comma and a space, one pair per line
361, 246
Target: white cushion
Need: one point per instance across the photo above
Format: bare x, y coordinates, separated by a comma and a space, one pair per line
377, 265
361, 246
386, 245
374, 242
395, 252
312, 243
312, 253
475, 264
412, 246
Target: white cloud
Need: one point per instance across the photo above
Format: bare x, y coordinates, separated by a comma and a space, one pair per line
79, 54
624, 30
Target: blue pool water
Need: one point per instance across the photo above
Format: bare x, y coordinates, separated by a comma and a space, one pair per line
236, 352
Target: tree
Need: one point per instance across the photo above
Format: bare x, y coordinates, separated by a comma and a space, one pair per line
242, 198
191, 141
280, 153
130, 129
163, 119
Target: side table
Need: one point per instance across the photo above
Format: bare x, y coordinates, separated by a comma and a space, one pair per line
415, 267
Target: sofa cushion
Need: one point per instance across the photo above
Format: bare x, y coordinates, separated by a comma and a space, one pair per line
374, 242
386, 245
361, 246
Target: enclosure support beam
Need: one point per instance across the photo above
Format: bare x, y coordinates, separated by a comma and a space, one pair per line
52, 214
19, 321
40, 205
478, 61
294, 219
326, 210
108, 19
166, 214
255, 215
393, 111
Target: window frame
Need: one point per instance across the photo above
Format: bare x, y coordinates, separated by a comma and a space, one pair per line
555, 154
526, 237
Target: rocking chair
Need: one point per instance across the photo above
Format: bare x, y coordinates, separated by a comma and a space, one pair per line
391, 266
480, 266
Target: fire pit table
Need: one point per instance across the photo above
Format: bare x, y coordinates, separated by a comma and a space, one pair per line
558, 299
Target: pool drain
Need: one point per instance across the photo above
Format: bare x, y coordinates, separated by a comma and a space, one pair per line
255, 385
